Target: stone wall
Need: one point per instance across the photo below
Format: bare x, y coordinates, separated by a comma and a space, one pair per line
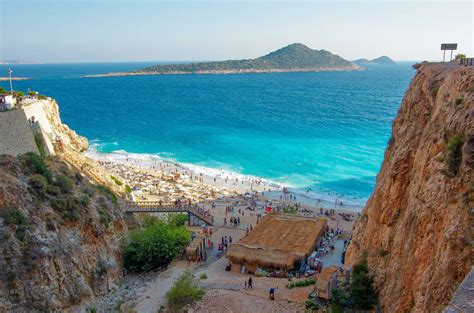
16, 136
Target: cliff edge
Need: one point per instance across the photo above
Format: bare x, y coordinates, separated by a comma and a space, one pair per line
417, 227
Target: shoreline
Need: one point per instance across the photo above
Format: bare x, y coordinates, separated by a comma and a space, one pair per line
224, 72
199, 179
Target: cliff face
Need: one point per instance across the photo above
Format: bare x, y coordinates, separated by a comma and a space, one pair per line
417, 227
46, 113
59, 237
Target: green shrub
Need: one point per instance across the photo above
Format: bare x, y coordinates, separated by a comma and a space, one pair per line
84, 201
154, 245
105, 218
37, 165
109, 193
38, 183
289, 210
184, 291
42, 97
128, 189
3, 90
14, 217
454, 153
53, 190
177, 219
301, 283
203, 276
117, 181
383, 252
459, 100
71, 215
363, 294
64, 183
78, 177
40, 144
311, 306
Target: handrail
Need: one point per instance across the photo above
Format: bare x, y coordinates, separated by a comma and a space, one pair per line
155, 206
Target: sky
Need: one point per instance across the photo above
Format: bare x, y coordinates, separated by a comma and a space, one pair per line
55, 31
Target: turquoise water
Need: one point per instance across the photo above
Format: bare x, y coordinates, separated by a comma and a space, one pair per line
324, 132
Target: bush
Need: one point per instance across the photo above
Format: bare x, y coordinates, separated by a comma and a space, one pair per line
184, 291
459, 100
84, 201
128, 189
38, 183
454, 153
301, 283
109, 193
117, 181
177, 219
37, 165
363, 294
311, 306
64, 183
154, 245
105, 218
53, 190
14, 217
40, 144
289, 210
203, 276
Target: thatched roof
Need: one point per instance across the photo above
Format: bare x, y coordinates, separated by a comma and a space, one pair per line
278, 241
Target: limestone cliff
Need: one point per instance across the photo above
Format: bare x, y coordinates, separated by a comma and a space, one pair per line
417, 227
46, 113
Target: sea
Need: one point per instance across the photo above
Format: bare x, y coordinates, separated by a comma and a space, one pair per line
321, 134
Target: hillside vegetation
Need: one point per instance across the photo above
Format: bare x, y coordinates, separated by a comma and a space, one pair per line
290, 58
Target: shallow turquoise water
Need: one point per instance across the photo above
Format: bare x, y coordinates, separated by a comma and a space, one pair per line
322, 131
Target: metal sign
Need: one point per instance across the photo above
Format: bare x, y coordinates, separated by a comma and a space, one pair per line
449, 46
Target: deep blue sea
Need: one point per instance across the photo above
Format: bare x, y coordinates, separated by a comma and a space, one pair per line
325, 132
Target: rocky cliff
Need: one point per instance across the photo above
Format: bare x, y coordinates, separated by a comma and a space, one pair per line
417, 228
60, 224
59, 236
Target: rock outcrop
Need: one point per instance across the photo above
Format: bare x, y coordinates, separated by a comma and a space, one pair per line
59, 239
417, 228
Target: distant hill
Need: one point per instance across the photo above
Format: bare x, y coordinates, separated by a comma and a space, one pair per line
380, 60
293, 58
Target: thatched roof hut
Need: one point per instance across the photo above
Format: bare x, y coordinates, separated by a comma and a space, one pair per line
278, 241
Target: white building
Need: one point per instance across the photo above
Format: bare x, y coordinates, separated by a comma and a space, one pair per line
7, 102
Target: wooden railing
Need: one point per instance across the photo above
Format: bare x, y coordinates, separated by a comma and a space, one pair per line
157, 207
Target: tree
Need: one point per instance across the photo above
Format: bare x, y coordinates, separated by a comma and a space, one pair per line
363, 294
460, 56
154, 245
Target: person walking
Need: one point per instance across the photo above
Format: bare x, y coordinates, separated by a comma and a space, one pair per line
250, 283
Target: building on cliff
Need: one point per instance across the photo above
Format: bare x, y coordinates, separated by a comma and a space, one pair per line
417, 227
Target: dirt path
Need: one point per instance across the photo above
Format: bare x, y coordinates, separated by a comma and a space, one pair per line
153, 297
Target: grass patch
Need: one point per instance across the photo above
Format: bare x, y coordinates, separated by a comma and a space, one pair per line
36, 165
117, 181
128, 189
454, 153
301, 283
203, 276
184, 291
109, 193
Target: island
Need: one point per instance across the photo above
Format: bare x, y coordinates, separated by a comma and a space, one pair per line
292, 58
383, 60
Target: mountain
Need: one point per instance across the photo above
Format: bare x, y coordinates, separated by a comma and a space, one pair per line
385, 60
292, 58
417, 230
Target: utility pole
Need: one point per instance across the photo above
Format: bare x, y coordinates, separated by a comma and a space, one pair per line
10, 76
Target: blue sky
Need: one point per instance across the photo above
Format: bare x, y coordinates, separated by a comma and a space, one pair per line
95, 31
